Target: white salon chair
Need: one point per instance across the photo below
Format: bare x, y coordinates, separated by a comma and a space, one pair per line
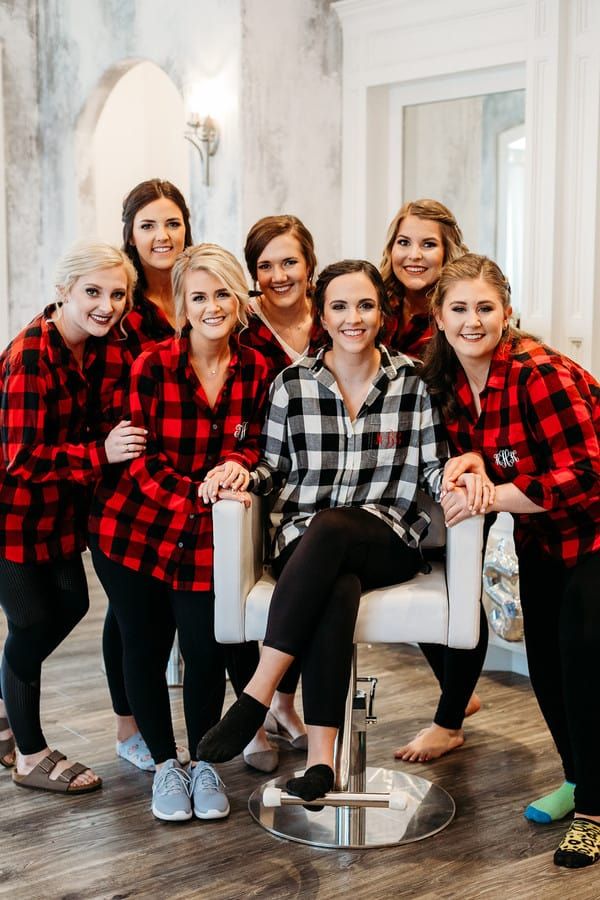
376, 807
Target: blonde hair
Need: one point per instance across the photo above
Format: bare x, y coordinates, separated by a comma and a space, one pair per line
433, 211
219, 262
85, 257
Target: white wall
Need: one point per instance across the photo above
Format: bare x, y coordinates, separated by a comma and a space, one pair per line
432, 48
22, 161
84, 50
291, 117
138, 136
277, 69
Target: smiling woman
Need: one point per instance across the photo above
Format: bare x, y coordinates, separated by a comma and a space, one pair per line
200, 396
156, 227
534, 416
421, 238
52, 453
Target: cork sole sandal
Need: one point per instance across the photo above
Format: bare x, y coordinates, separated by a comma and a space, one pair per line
7, 746
39, 777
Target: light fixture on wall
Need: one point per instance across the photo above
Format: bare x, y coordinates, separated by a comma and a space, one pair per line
203, 134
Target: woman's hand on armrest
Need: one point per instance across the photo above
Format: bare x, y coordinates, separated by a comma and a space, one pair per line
230, 476
455, 505
468, 471
241, 496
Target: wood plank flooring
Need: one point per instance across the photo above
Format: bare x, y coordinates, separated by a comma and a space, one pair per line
108, 845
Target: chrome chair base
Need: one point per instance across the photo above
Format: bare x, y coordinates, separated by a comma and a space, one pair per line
429, 809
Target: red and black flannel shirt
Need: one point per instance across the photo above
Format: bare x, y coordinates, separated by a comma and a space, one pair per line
539, 428
411, 339
153, 520
48, 458
259, 336
144, 326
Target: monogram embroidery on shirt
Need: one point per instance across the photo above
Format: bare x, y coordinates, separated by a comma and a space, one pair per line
389, 440
506, 458
240, 431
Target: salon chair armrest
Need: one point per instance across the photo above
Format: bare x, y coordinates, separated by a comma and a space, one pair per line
238, 564
464, 564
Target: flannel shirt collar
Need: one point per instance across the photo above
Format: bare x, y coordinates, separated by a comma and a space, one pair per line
152, 316
391, 367
180, 351
499, 367
58, 353
496, 380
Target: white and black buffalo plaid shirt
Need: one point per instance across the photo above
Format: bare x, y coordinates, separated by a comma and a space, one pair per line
318, 458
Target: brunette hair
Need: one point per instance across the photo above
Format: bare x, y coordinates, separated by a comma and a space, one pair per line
346, 267
433, 211
141, 195
440, 363
219, 262
85, 257
263, 231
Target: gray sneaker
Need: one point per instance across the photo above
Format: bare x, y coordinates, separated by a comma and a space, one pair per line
208, 797
171, 793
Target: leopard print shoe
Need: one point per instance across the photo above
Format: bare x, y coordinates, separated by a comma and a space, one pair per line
580, 845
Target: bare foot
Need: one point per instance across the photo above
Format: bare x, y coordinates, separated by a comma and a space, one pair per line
26, 763
126, 727
259, 743
431, 743
284, 711
473, 706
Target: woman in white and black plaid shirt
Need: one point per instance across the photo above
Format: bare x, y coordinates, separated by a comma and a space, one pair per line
349, 438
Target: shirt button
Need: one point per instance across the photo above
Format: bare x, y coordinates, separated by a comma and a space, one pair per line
180, 545
214, 426
192, 516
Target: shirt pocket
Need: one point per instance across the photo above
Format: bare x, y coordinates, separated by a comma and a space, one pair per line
388, 439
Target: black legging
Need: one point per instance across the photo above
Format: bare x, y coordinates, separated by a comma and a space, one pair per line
458, 671
112, 651
43, 602
561, 617
313, 611
147, 611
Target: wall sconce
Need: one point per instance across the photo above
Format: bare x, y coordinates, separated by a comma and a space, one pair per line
203, 133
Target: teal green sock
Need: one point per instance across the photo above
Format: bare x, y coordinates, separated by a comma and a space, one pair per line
553, 806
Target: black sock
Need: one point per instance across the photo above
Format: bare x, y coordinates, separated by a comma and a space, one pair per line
315, 782
235, 730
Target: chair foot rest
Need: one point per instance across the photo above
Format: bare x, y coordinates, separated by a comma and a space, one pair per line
273, 796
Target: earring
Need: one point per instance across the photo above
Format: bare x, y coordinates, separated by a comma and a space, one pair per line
440, 327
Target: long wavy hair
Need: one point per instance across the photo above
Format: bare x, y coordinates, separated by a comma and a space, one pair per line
138, 197
452, 241
440, 363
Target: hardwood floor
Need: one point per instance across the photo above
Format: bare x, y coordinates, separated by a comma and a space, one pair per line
108, 845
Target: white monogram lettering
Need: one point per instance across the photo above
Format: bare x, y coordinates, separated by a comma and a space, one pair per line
506, 458
240, 431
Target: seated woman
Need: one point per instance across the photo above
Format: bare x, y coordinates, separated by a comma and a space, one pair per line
201, 398
534, 416
349, 437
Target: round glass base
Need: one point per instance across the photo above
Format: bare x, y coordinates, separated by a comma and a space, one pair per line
429, 808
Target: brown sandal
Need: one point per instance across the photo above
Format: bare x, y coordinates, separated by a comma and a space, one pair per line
7, 745
39, 777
